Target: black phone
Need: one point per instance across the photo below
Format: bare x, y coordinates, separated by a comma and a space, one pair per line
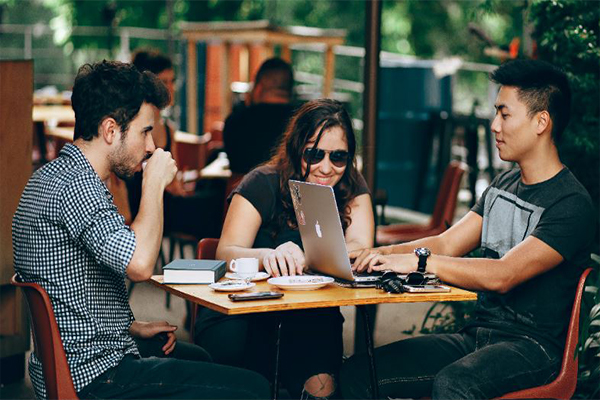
255, 296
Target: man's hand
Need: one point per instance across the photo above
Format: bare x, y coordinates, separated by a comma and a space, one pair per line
400, 263
160, 169
364, 258
147, 330
286, 259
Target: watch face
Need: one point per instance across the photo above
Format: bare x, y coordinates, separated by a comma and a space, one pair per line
422, 251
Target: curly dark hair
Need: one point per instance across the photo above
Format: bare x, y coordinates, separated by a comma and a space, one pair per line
112, 89
315, 116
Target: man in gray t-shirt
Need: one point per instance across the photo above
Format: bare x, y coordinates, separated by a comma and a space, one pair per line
532, 224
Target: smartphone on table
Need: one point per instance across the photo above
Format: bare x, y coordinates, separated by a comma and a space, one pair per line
255, 296
426, 289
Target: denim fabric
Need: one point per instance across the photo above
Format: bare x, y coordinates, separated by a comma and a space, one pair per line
168, 377
478, 363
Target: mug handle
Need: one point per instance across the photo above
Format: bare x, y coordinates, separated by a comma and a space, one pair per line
232, 265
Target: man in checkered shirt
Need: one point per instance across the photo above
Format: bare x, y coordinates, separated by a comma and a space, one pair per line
69, 237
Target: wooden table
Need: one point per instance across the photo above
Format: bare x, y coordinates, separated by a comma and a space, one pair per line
49, 117
329, 296
53, 114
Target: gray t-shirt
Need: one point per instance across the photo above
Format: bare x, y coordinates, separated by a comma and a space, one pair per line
558, 212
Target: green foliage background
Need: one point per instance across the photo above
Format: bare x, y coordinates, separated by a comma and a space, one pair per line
567, 33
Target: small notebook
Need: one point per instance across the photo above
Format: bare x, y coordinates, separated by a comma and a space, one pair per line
194, 271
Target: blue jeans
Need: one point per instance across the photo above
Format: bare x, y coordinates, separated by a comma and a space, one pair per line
151, 377
478, 363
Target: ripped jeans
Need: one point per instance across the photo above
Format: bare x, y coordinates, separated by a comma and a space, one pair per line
478, 363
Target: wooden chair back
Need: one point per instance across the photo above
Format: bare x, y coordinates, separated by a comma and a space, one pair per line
443, 212
48, 343
565, 383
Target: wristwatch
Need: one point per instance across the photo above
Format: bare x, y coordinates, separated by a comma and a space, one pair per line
422, 253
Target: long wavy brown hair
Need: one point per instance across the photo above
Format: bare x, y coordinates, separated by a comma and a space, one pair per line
315, 116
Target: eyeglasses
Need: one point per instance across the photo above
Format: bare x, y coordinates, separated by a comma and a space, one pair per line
314, 155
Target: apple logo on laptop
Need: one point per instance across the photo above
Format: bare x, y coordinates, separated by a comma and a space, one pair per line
318, 229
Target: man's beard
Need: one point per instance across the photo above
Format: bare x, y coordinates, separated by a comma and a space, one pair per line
120, 164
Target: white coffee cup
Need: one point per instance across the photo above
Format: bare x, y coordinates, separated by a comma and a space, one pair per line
244, 267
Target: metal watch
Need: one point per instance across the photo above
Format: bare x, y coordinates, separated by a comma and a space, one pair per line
422, 253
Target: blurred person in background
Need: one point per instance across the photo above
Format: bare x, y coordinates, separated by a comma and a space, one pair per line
253, 130
196, 213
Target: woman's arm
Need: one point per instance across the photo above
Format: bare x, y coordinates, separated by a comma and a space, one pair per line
239, 233
360, 233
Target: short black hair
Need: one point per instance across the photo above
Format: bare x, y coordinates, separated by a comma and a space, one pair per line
112, 89
151, 60
276, 74
541, 86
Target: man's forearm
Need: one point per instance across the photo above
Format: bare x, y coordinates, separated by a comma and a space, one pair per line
148, 228
433, 243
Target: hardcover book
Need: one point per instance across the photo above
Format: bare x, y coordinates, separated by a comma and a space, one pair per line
194, 271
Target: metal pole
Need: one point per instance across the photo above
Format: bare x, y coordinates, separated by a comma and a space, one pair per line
370, 106
370, 351
171, 20
371, 80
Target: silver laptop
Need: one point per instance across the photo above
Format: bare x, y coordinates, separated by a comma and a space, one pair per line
321, 232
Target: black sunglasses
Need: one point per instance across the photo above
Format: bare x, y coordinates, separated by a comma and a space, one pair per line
415, 278
314, 155
391, 282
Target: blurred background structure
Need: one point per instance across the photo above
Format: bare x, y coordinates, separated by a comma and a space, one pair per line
432, 102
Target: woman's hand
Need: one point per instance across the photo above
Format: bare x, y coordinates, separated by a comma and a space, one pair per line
147, 330
286, 259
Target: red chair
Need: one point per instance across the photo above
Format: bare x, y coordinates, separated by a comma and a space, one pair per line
207, 250
48, 344
442, 216
564, 385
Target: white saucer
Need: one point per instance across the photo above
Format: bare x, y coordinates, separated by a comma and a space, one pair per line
231, 286
300, 282
260, 276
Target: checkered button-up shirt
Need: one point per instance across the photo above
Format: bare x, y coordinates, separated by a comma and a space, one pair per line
69, 237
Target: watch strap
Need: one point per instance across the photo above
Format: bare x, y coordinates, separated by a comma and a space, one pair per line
422, 263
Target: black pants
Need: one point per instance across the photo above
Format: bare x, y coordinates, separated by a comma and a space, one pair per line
478, 363
192, 376
311, 343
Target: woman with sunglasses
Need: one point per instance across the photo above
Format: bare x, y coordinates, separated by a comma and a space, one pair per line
318, 146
